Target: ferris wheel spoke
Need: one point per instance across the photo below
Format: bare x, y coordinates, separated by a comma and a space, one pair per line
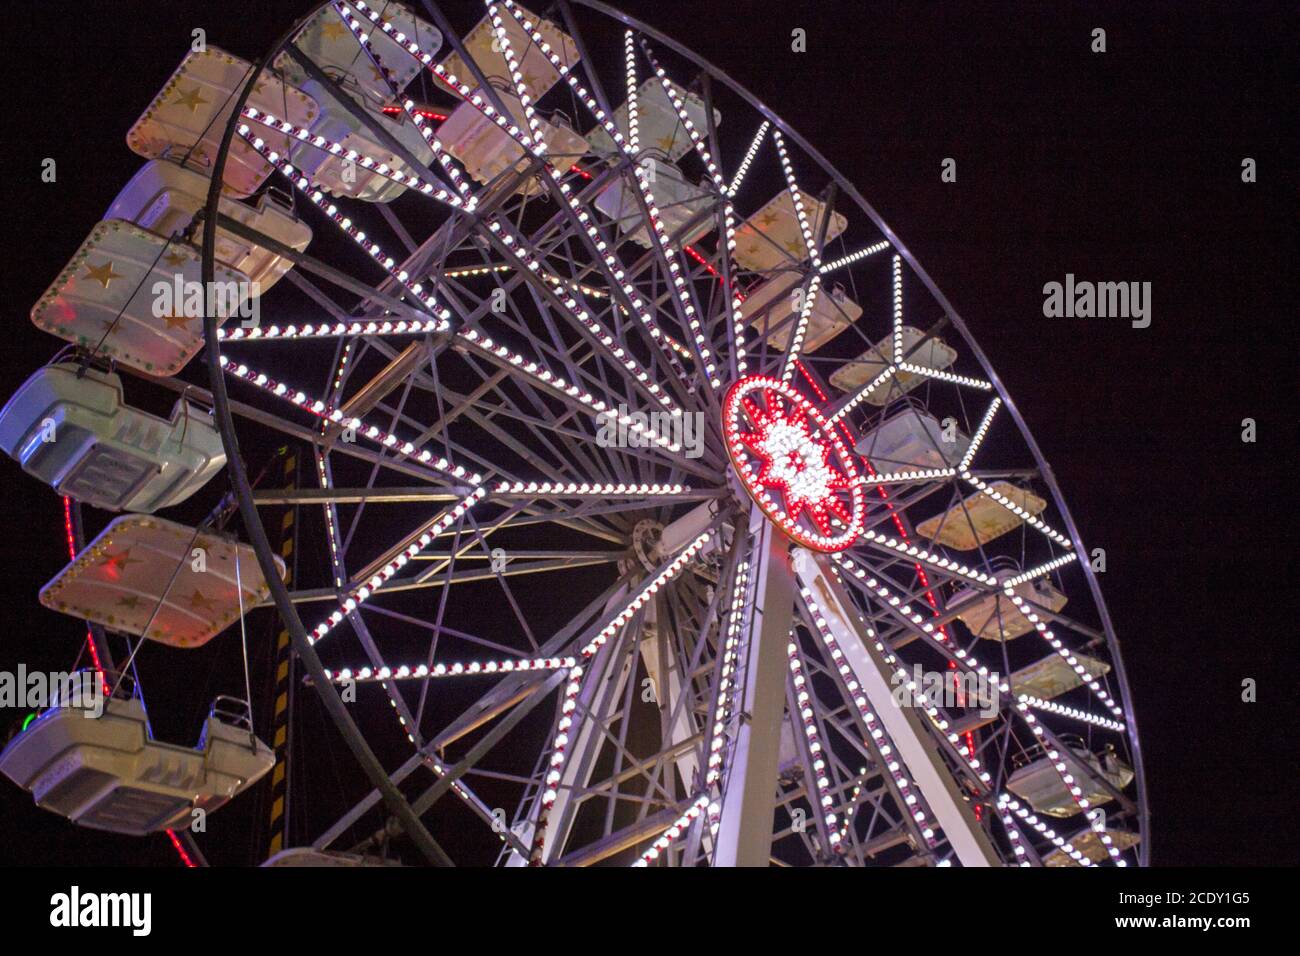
344, 345
484, 416
598, 105
944, 733
424, 672
739, 178
679, 695
578, 456
435, 463
543, 380
582, 518
323, 82
935, 561
589, 706
622, 293
1038, 525
853, 257
333, 329
488, 741
494, 110
577, 311
1073, 713
363, 40
1020, 707
545, 428
593, 684
511, 245
812, 282
462, 576
812, 746
942, 376
285, 427
334, 276
1042, 570
937, 727
912, 811
434, 191
669, 259
1090, 681
1054, 750
619, 290
686, 308
861, 395
977, 437
380, 571
733, 319
463, 405
305, 187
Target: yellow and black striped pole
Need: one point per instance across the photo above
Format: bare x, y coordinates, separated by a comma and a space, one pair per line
280, 723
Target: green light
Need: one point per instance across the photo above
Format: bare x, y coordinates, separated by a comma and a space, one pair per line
30, 717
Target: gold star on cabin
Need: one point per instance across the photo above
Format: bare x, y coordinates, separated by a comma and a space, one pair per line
794, 247
199, 602
131, 602
259, 86
176, 258
530, 81
767, 219
190, 99
120, 560
175, 321
103, 273
377, 73
333, 30
666, 144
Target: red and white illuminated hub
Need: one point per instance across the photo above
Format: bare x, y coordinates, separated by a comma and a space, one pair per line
793, 464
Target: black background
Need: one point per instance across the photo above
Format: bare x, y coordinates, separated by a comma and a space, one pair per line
1123, 166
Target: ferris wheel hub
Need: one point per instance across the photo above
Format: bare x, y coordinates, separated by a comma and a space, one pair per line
647, 543
794, 465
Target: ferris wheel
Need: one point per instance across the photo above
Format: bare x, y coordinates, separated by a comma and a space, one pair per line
650, 504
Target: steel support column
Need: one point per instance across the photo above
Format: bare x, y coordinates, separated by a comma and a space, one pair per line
749, 790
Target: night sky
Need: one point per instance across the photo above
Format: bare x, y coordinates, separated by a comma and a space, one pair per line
1123, 166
